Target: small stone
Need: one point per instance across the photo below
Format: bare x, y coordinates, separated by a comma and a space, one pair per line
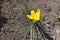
57, 31
53, 37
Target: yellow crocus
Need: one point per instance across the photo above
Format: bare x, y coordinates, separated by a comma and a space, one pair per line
35, 16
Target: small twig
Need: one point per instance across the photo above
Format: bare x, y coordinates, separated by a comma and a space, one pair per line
45, 23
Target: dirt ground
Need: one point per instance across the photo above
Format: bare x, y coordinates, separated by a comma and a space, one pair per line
13, 23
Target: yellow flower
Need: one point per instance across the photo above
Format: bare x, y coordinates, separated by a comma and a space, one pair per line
35, 16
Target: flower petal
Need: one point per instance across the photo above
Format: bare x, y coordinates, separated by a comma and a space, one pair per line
34, 16
29, 16
37, 18
38, 12
32, 12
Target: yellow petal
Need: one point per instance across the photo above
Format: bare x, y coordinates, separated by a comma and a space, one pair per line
37, 18
32, 12
34, 16
38, 12
29, 16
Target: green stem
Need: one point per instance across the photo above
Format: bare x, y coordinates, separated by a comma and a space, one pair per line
37, 30
30, 29
31, 34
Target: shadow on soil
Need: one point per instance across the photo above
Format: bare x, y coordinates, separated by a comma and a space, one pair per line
3, 20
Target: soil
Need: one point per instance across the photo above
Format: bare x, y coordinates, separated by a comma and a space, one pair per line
14, 24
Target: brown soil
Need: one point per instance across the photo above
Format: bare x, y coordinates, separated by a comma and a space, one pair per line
13, 23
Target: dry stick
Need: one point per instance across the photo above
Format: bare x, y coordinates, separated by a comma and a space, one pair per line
47, 26
45, 23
